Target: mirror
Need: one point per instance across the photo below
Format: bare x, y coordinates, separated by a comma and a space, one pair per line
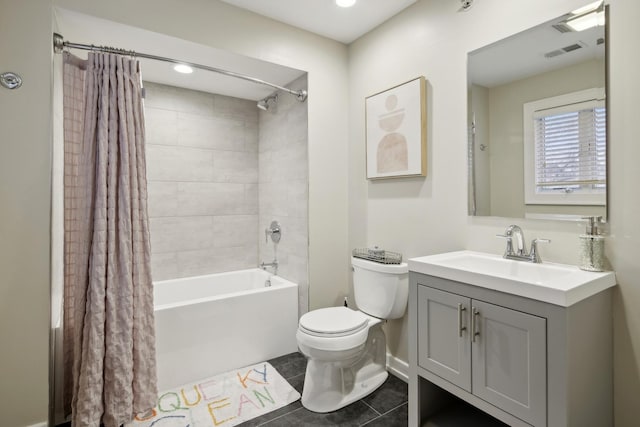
537, 121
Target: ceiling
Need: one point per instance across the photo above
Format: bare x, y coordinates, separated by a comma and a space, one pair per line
515, 57
523, 55
318, 16
85, 29
324, 17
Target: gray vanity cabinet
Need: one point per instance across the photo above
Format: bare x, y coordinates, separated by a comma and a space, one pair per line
495, 353
509, 361
444, 347
525, 362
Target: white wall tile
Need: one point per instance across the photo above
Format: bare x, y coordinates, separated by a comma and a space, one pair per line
273, 199
272, 131
170, 163
211, 132
162, 198
244, 109
297, 125
251, 192
236, 230
194, 102
161, 126
295, 164
161, 96
266, 167
235, 166
164, 265
178, 99
211, 198
191, 263
251, 136
208, 183
298, 199
283, 173
175, 234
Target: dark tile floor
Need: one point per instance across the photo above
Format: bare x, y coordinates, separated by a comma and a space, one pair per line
385, 407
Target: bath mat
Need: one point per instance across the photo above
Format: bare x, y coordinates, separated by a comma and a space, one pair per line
224, 400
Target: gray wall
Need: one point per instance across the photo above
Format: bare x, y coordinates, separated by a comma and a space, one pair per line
25, 200
202, 170
427, 216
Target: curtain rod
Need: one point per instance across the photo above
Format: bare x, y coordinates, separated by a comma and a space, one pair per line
59, 44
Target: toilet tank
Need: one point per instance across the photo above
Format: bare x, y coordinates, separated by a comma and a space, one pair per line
380, 290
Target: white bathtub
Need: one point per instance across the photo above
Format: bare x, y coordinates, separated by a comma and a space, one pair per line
210, 324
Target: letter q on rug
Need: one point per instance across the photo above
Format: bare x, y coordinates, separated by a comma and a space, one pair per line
224, 400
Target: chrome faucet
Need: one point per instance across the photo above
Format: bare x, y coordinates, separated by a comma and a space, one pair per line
275, 231
273, 264
520, 254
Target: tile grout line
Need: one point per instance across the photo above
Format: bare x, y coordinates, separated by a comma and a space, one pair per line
294, 377
382, 415
393, 409
374, 409
280, 416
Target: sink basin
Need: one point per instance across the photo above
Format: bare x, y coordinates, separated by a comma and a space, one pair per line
558, 284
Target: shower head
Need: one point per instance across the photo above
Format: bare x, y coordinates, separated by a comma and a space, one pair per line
263, 104
466, 5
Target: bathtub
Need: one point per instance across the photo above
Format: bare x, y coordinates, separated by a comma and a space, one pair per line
210, 324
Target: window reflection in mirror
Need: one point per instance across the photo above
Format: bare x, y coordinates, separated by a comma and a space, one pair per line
537, 121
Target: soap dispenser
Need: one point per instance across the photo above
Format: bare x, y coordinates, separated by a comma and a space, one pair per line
592, 246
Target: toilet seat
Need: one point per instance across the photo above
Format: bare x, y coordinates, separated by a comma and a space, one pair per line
333, 322
345, 348
334, 329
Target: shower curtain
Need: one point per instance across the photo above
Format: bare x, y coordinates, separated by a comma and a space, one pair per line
109, 339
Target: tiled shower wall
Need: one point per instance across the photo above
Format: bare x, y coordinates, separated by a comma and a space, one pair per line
219, 171
202, 171
284, 186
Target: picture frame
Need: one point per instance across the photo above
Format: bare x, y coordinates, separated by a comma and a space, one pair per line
396, 131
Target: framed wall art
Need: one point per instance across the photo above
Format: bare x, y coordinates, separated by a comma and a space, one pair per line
396, 134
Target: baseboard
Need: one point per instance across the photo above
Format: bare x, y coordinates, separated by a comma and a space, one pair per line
398, 367
41, 424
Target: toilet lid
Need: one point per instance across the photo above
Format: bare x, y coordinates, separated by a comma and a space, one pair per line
333, 321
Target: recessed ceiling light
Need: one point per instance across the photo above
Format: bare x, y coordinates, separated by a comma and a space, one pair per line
182, 68
587, 8
345, 3
584, 22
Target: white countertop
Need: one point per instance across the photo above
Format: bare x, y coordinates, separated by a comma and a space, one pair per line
558, 284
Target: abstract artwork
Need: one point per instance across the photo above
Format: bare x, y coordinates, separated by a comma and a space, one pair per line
396, 140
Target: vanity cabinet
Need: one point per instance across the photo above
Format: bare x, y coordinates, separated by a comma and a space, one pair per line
524, 361
493, 352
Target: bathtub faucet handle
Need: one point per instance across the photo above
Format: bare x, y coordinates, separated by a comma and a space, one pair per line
274, 231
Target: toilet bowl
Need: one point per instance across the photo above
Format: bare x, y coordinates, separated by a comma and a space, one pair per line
345, 348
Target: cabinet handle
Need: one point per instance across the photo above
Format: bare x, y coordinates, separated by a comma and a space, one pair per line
461, 328
474, 324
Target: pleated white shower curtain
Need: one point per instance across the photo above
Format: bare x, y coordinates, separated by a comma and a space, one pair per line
109, 337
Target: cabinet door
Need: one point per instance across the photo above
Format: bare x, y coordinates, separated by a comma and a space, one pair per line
510, 361
443, 335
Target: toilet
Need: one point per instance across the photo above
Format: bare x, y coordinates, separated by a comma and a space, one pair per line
345, 348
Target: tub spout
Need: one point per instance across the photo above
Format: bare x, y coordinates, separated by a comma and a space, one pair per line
273, 264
